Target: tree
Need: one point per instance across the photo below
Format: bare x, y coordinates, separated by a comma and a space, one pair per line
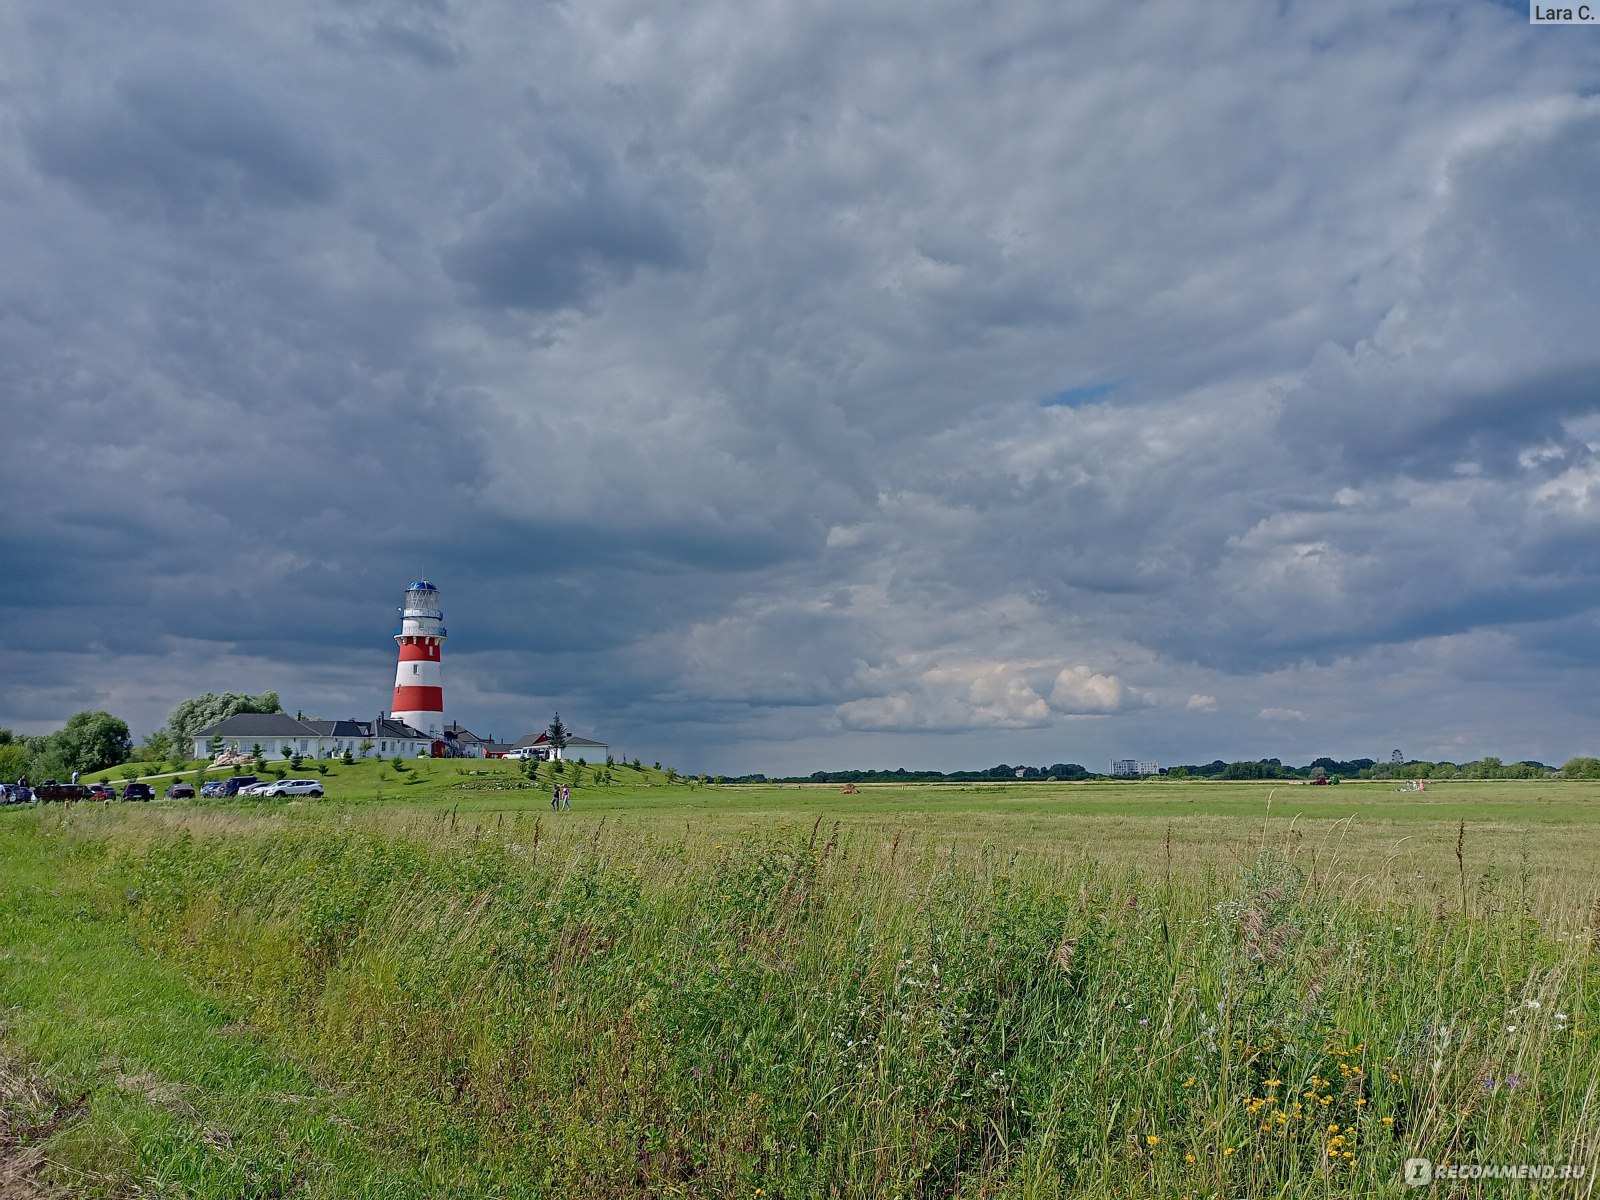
91, 741
158, 747
556, 732
197, 712
1574, 768
13, 761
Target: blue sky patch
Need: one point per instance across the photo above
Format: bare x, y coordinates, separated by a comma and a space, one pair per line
1084, 393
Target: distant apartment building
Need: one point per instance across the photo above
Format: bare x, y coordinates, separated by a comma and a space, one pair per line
1129, 767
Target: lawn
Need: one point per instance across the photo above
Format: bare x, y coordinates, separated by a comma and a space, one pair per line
430, 983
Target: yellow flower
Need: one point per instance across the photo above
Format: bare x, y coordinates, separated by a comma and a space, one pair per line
1388, 1120
1333, 1129
1188, 1158
1273, 1082
1226, 1151
1152, 1140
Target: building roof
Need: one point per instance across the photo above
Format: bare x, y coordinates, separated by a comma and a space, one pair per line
338, 728
281, 725
388, 727
463, 734
257, 725
543, 739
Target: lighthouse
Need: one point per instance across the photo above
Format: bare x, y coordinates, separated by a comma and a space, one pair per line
418, 692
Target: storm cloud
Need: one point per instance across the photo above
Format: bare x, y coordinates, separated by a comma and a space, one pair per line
812, 385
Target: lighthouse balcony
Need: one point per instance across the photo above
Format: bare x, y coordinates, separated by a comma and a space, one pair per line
401, 631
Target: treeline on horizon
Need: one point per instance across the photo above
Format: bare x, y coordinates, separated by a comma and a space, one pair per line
1331, 769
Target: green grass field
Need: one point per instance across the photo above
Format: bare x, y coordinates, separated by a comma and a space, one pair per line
431, 984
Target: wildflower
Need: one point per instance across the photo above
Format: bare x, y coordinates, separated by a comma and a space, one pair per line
1188, 1158
1533, 1004
1513, 1082
1227, 1151
1189, 1082
1274, 1082
1152, 1140
1511, 1028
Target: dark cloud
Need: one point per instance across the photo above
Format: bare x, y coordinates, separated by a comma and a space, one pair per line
179, 138
577, 226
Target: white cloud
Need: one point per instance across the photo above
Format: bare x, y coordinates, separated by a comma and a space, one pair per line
1281, 714
981, 696
1082, 689
1201, 703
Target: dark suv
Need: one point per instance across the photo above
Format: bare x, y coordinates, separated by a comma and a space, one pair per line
238, 783
138, 791
181, 791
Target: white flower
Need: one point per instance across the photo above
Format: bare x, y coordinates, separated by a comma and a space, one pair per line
1561, 1016
1511, 1028
1531, 1004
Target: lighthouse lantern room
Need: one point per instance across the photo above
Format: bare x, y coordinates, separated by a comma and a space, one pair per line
418, 690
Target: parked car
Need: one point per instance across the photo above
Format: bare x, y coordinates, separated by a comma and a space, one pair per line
97, 791
257, 789
51, 790
181, 791
237, 784
11, 793
138, 791
290, 787
211, 788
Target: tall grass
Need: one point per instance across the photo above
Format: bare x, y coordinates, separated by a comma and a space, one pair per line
605, 1012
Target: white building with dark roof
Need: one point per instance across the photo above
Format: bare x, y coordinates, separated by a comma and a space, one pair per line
577, 747
279, 735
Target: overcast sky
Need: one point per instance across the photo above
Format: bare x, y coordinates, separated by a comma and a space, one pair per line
781, 385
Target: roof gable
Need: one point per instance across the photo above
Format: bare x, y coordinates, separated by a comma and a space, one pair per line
256, 725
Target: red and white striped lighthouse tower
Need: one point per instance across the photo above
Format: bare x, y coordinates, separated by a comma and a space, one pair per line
418, 691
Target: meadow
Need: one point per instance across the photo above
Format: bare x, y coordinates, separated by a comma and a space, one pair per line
431, 984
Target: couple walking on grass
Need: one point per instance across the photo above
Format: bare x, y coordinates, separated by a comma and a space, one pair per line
561, 796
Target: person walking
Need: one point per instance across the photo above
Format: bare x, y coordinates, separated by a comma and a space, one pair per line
74, 777
555, 796
566, 796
